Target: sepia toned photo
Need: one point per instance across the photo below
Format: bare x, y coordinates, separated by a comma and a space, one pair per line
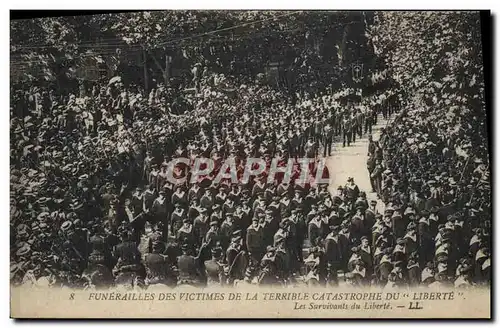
237, 164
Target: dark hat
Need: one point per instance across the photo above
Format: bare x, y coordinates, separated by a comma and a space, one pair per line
214, 222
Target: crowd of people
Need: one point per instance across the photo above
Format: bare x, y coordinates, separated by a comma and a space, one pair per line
86, 170
91, 204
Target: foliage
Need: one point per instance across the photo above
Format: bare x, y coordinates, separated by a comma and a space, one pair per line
236, 42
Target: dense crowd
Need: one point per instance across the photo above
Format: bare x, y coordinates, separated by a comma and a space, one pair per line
88, 173
92, 206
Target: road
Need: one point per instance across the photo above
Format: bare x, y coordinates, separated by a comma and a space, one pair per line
350, 161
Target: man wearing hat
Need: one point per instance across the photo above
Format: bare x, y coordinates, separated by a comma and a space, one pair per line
137, 201
128, 255
376, 175
228, 227
399, 224
189, 267
347, 130
207, 200
160, 209
71, 252
234, 248
316, 228
270, 227
195, 192
176, 218
333, 254
200, 226
385, 266
185, 235
365, 253
361, 277
214, 235
370, 215
255, 242
351, 191
157, 267
357, 228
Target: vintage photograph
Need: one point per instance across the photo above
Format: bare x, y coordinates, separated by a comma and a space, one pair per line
176, 150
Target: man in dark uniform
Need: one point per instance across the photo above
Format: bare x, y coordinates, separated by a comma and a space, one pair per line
195, 192
370, 214
214, 268
149, 198
207, 200
346, 131
189, 268
254, 242
315, 229
176, 219
366, 255
333, 254
228, 227
351, 191
137, 201
201, 226
271, 225
370, 164
327, 140
99, 246
376, 175
157, 267
186, 233
129, 257
414, 272
213, 236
